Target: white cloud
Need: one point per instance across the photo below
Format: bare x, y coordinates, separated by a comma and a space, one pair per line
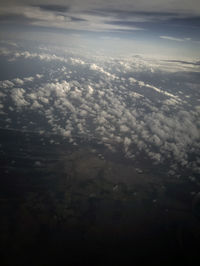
90, 90
39, 76
114, 112
124, 128
18, 96
100, 69
6, 84
40, 56
18, 81
136, 95
83, 113
127, 143
175, 39
171, 102
29, 79
36, 105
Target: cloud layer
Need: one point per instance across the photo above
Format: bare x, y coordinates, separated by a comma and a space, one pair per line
138, 106
104, 16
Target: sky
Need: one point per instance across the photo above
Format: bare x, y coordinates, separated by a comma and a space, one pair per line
153, 28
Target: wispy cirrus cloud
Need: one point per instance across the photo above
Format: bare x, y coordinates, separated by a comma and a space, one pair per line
175, 39
55, 16
102, 15
140, 24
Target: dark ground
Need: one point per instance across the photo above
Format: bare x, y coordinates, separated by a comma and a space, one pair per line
76, 205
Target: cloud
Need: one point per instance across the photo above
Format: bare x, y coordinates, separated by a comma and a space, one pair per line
137, 6
175, 39
54, 8
58, 17
36, 105
171, 102
131, 22
6, 84
29, 79
124, 128
18, 97
100, 69
18, 81
127, 110
39, 76
29, 55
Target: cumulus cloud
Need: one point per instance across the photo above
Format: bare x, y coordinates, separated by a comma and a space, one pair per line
114, 106
18, 96
40, 56
6, 84
18, 81
29, 79
101, 70
39, 76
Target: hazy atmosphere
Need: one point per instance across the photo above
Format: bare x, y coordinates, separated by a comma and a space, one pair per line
100, 132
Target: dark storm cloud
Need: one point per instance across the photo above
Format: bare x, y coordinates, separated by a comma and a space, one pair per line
54, 8
15, 18
184, 62
187, 21
141, 6
131, 13
77, 19
167, 18
172, 24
